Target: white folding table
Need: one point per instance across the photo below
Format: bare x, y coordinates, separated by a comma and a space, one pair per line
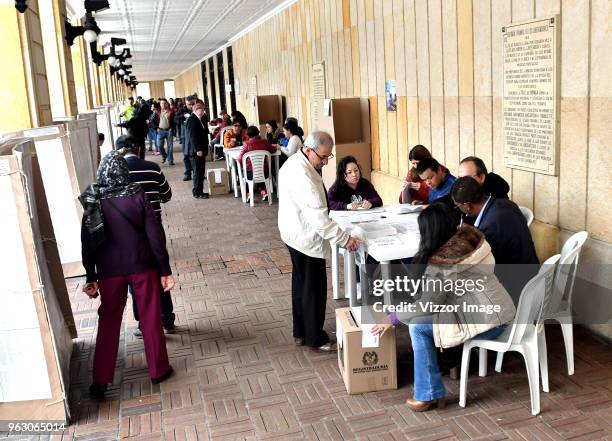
402, 245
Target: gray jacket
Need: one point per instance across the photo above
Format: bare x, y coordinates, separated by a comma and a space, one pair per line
465, 257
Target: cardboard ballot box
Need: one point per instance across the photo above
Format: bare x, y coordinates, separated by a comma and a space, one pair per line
218, 181
364, 369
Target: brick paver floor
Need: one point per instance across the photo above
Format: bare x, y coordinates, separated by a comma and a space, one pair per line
239, 375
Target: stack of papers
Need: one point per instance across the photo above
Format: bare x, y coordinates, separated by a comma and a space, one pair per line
376, 230
405, 208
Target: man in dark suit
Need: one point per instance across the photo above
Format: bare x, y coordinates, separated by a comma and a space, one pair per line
505, 229
197, 139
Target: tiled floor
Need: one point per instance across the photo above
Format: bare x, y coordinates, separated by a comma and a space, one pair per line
239, 376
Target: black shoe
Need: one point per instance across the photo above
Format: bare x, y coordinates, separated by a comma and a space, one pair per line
171, 162
167, 375
187, 178
163, 160
204, 196
97, 391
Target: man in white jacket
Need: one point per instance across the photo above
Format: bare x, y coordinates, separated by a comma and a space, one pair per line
306, 229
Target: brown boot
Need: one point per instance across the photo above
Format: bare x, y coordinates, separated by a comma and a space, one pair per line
422, 406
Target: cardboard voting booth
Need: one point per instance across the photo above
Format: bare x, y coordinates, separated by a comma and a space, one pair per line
366, 363
36, 322
348, 122
218, 181
89, 120
268, 107
61, 181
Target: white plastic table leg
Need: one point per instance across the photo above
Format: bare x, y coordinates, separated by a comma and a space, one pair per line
385, 269
335, 275
277, 168
350, 278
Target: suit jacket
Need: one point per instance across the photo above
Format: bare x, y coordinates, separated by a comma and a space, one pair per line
196, 135
505, 228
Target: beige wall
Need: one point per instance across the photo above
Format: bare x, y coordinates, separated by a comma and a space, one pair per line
189, 82
446, 58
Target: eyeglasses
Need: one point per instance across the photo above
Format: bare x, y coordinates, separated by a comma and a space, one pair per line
458, 205
323, 158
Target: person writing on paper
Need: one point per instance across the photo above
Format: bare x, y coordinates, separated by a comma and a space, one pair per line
449, 254
351, 191
123, 243
439, 180
415, 190
306, 229
253, 144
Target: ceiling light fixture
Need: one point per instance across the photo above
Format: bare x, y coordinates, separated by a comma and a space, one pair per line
89, 31
21, 5
96, 5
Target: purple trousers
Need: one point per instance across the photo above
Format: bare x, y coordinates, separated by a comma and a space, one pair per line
113, 296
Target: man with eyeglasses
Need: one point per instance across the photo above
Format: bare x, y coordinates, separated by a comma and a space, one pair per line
492, 184
307, 230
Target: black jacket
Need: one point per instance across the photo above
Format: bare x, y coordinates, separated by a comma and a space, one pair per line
496, 186
196, 135
137, 127
505, 228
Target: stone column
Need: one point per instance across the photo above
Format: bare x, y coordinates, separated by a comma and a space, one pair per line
23, 72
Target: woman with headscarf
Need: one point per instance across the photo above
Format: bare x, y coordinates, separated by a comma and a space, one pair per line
123, 244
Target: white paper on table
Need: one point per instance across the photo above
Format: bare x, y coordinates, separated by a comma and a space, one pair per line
369, 340
405, 228
377, 230
217, 176
339, 332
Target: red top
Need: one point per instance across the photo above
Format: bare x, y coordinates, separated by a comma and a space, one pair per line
256, 144
420, 195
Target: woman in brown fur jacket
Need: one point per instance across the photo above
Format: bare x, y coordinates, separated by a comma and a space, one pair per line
460, 299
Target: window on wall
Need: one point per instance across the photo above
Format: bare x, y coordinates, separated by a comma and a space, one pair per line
221, 77
230, 74
213, 92
169, 91
143, 90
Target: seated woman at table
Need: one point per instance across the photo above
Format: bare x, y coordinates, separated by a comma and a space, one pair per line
415, 190
294, 144
236, 136
447, 253
274, 134
256, 143
350, 191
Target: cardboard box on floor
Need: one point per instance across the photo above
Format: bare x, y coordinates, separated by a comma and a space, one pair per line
364, 369
218, 181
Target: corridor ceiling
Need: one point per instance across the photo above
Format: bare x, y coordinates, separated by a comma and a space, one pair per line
168, 36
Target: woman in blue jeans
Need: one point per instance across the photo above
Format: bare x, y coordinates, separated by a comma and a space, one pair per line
455, 267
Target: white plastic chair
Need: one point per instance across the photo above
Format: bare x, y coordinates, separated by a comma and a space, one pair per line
258, 159
523, 336
528, 214
560, 308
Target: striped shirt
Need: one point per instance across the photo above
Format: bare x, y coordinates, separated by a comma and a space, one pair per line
153, 182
